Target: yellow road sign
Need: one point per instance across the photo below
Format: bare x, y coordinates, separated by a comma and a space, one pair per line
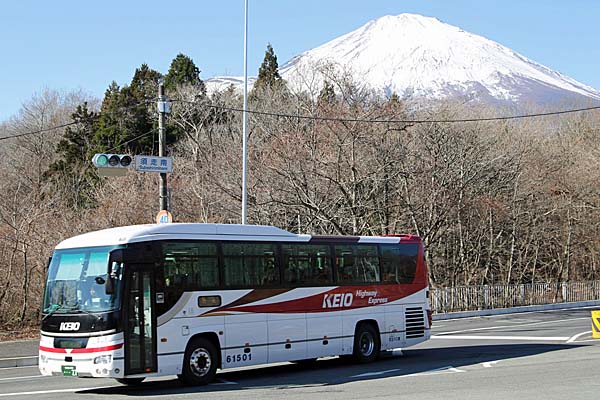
596, 324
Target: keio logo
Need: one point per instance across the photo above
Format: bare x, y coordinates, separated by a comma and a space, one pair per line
69, 326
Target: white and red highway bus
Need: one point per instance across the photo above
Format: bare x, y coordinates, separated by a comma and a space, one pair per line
187, 299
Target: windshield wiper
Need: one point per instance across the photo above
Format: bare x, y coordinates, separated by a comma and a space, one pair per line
60, 307
53, 309
88, 313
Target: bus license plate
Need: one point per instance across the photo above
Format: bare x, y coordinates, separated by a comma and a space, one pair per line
69, 370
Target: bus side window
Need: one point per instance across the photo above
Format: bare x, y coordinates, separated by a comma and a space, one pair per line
306, 264
357, 263
399, 262
271, 273
187, 266
251, 264
346, 268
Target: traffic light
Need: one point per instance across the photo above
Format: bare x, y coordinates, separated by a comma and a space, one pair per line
111, 160
112, 164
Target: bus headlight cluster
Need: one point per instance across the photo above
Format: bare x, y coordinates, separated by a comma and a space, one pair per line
105, 359
43, 358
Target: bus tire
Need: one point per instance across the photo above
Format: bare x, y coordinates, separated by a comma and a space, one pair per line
200, 362
130, 381
367, 343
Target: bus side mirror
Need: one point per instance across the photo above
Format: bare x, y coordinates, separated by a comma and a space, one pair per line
113, 271
48, 263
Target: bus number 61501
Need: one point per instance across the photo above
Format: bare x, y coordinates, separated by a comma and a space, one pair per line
238, 358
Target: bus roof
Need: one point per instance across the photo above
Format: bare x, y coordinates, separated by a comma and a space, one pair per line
191, 231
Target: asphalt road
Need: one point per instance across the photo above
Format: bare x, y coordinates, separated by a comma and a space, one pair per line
547, 355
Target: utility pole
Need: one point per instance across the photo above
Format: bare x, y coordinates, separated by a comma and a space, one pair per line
163, 109
245, 122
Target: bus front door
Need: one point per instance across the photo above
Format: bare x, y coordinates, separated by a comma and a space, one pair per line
140, 330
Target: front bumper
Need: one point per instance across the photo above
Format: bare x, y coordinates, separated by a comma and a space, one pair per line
102, 358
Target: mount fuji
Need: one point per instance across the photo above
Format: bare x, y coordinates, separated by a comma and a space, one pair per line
419, 57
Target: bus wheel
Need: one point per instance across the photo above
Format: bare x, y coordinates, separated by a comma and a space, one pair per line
366, 343
130, 381
199, 363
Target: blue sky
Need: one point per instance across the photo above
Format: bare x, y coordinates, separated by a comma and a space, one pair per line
68, 45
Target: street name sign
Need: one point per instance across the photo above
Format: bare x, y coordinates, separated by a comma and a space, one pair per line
154, 164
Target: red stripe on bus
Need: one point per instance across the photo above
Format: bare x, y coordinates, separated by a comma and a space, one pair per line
79, 351
52, 350
333, 300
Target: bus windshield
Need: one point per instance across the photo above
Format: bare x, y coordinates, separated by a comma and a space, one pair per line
76, 282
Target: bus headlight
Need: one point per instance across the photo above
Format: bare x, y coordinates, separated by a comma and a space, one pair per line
43, 358
106, 359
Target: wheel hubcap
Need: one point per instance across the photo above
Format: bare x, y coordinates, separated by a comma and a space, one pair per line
367, 344
200, 362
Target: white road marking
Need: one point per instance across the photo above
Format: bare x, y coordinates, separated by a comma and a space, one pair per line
223, 382
509, 326
21, 377
522, 313
480, 337
473, 330
374, 373
443, 370
522, 321
489, 364
24, 366
575, 337
53, 391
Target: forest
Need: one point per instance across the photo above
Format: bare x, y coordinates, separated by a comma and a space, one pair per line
495, 201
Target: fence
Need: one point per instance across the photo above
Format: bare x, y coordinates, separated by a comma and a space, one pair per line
471, 298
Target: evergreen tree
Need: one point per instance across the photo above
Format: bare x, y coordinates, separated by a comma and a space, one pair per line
268, 73
184, 74
144, 84
109, 132
394, 98
395, 104
327, 95
128, 112
183, 71
71, 173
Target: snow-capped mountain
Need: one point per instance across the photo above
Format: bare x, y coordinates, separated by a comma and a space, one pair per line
421, 57
222, 83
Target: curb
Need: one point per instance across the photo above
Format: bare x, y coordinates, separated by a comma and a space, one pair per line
513, 310
28, 361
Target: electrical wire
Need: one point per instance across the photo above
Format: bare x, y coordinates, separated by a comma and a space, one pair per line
390, 121
330, 119
131, 140
38, 131
74, 122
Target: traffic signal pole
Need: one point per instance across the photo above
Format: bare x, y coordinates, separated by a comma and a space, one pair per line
162, 138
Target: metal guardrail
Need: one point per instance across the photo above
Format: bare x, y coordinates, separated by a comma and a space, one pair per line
484, 297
